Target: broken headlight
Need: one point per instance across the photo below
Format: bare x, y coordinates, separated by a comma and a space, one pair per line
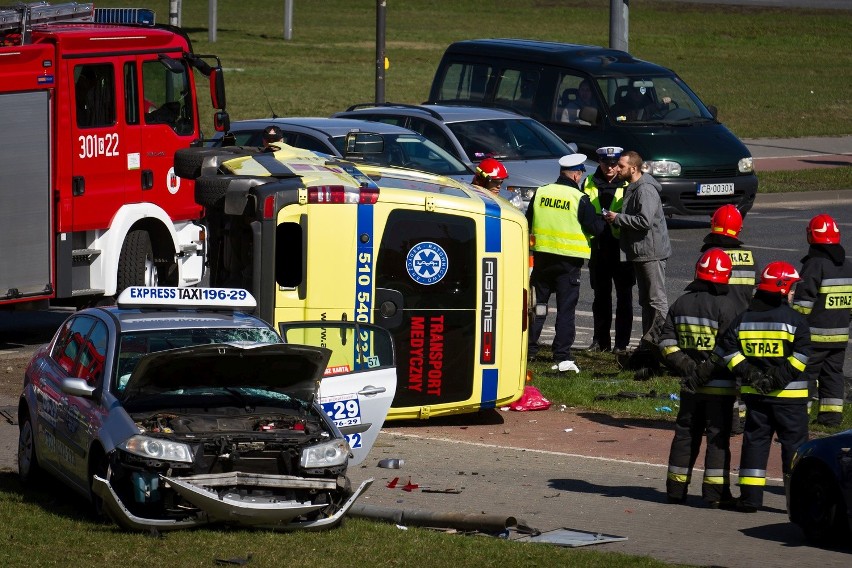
329, 454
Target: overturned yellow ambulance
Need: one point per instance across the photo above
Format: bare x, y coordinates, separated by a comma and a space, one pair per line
439, 263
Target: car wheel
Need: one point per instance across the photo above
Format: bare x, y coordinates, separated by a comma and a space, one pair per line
28, 466
822, 512
136, 265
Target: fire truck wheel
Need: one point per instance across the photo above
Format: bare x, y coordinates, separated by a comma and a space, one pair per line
136, 264
188, 161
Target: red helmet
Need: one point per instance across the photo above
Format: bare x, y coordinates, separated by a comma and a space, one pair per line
714, 266
778, 277
727, 220
489, 169
822, 230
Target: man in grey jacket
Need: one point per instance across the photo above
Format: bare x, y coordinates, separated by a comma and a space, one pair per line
645, 242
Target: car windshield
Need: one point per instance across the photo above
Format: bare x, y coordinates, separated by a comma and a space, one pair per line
508, 139
133, 346
652, 100
414, 152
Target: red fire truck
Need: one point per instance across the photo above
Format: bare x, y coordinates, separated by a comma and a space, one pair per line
91, 115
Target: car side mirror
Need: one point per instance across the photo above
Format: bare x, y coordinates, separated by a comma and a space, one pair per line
714, 112
77, 387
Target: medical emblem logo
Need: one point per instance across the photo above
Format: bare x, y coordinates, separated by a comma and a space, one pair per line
426, 263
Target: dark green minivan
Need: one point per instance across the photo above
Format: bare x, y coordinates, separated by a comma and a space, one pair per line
595, 96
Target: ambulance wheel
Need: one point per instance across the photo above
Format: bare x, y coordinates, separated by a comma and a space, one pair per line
28, 466
136, 264
210, 191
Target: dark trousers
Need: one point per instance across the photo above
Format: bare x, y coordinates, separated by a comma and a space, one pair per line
789, 420
701, 415
605, 270
825, 372
559, 274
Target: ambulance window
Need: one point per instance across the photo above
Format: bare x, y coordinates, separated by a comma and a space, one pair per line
289, 255
94, 91
167, 97
131, 94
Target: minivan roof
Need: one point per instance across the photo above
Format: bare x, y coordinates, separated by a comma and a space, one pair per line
593, 59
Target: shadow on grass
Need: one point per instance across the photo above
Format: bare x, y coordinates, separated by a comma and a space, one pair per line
51, 496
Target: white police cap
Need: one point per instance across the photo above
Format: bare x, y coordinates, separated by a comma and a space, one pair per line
609, 152
572, 161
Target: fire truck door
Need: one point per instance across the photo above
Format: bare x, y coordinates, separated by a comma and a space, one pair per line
168, 123
99, 160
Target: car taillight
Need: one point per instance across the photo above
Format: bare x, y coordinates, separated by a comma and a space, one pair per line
369, 195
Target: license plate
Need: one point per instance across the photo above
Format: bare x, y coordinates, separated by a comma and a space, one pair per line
715, 189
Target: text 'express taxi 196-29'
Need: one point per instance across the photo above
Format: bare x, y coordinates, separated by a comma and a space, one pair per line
441, 264
176, 408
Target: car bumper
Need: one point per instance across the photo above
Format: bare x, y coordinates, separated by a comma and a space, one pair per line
231, 509
680, 196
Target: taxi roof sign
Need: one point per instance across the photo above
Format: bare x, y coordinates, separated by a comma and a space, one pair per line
165, 297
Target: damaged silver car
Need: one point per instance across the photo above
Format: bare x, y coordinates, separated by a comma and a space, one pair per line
172, 412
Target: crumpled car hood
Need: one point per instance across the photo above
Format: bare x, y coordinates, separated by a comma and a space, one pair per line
294, 370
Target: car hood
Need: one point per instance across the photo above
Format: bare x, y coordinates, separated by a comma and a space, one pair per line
710, 144
295, 370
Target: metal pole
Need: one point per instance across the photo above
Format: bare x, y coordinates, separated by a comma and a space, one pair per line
619, 12
174, 13
212, 6
288, 19
381, 8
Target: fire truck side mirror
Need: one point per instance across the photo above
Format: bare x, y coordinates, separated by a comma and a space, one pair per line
221, 121
217, 88
173, 65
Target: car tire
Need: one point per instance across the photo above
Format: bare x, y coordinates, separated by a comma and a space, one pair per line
136, 265
821, 509
29, 469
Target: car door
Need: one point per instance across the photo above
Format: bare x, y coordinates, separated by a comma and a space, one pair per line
360, 380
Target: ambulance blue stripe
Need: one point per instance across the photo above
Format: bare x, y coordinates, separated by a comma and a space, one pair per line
493, 239
489, 388
364, 268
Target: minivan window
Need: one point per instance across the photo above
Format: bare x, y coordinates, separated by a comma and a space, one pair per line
517, 89
651, 100
575, 92
513, 139
466, 82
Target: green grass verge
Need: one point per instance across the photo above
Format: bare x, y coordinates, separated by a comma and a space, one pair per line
771, 72
43, 528
817, 179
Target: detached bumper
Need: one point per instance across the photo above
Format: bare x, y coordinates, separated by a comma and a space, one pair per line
231, 508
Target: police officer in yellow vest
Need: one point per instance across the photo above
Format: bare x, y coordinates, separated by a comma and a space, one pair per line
606, 192
562, 221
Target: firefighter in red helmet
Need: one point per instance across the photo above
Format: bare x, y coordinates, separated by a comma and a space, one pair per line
767, 348
687, 340
490, 174
725, 227
824, 297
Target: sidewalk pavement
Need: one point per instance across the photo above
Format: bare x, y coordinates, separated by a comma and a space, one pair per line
800, 153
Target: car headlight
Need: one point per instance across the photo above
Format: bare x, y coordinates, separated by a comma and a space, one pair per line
661, 168
328, 454
526, 193
157, 449
746, 165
